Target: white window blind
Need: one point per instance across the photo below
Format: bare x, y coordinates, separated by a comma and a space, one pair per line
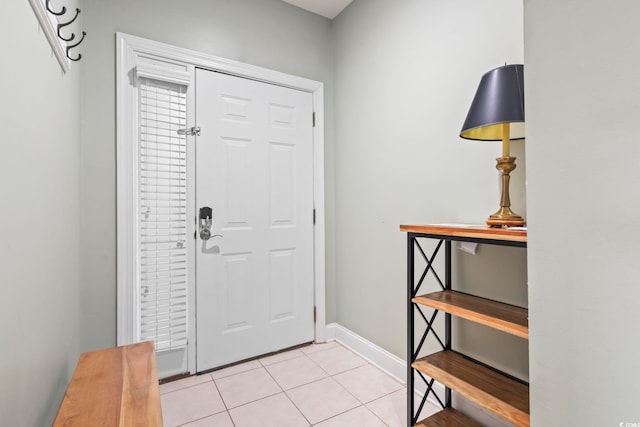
162, 224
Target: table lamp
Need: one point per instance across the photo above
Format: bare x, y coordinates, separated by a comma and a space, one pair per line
497, 114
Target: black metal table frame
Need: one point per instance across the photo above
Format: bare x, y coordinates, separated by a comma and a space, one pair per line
412, 291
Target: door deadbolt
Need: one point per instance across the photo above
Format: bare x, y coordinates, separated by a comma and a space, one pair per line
206, 221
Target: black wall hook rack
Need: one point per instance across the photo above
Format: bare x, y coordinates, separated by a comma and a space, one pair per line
70, 38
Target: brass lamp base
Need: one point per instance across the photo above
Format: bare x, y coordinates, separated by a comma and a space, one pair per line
505, 217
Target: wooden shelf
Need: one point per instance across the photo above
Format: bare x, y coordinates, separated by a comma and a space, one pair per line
501, 395
469, 231
504, 317
448, 417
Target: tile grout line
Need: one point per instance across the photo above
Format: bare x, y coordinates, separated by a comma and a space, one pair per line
235, 373
287, 395
251, 401
318, 380
352, 409
380, 398
281, 361
318, 365
220, 394
188, 386
362, 404
209, 415
282, 391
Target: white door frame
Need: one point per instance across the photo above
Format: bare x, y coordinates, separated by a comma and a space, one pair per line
168, 62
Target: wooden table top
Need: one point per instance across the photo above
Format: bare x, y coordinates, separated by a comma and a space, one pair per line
114, 387
515, 234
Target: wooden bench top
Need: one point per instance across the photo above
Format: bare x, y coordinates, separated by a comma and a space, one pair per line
114, 387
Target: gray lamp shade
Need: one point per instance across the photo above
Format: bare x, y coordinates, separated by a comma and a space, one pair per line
499, 99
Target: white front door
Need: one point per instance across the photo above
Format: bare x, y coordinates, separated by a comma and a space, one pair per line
254, 169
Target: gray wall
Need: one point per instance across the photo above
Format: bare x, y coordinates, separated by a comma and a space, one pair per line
266, 33
583, 109
39, 221
406, 72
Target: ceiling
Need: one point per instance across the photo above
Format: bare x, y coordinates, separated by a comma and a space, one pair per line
327, 8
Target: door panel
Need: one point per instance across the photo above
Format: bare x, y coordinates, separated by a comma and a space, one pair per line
254, 168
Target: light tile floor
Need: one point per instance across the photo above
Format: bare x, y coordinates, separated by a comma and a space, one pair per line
324, 385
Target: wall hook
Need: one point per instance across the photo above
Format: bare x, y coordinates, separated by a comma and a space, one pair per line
60, 26
55, 21
75, 45
62, 12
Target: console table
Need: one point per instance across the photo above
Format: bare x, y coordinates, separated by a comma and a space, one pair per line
499, 392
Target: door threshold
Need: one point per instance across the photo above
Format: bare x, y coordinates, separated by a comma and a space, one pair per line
173, 378
252, 358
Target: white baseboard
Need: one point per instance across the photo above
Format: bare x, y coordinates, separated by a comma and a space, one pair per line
388, 362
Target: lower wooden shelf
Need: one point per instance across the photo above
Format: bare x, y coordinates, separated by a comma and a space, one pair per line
499, 394
448, 417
